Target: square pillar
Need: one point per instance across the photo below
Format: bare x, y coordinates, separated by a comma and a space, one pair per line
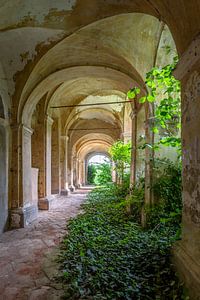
23, 210
187, 250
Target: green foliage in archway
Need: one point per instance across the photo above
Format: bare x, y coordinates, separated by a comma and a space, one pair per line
103, 174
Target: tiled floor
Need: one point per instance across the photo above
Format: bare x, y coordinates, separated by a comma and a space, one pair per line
27, 255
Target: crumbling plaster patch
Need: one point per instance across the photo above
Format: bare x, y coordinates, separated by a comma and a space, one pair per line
36, 10
18, 46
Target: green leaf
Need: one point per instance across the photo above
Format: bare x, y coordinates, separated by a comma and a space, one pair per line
155, 130
132, 93
142, 99
150, 98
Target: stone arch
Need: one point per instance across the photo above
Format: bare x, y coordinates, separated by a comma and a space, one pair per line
123, 80
89, 156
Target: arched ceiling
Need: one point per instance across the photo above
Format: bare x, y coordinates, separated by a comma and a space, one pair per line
89, 114
77, 58
91, 128
182, 16
123, 81
111, 42
92, 142
94, 147
86, 91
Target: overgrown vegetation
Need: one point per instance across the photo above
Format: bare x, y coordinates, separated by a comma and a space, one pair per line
164, 93
167, 190
107, 255
120, 153
99, 174
103, 174
92, 169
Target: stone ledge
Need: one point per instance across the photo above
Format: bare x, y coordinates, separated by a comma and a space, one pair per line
23, 216
46, 203
188, 268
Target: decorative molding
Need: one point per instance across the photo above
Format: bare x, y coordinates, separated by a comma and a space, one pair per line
188, 60
27, 130
49, 120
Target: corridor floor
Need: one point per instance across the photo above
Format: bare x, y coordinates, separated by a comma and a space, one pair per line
27, 255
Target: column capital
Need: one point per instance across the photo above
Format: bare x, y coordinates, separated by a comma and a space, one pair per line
21, 126
27, 130
49, 120
63, 137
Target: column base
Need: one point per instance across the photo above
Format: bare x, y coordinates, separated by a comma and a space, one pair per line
72, 188
187, 256
46, 203
23, 216
65, 192
188, 267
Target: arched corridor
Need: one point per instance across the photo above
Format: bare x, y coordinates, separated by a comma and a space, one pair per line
65, 70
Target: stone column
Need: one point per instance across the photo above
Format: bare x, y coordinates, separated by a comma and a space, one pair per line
114, 177
149, 140
133, 147
81, 173
49, 123
3, 175
75, 173
45, 196
55, 161
77, 182
148, 154
187, 250
72, 174
64, 166
23, 211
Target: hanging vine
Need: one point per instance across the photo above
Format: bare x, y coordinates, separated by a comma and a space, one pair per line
164, 90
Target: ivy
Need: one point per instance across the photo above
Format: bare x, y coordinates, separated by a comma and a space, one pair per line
108, 256
103, 174
164, 91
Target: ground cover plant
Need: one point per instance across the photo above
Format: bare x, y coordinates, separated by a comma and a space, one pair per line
107, 255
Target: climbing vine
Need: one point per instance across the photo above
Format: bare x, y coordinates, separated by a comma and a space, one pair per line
164, 91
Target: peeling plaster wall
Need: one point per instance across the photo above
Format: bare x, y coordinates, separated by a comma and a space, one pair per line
36, 10
19, 46
110, 42
167, 48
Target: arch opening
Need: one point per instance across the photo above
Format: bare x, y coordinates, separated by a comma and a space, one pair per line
98, 168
